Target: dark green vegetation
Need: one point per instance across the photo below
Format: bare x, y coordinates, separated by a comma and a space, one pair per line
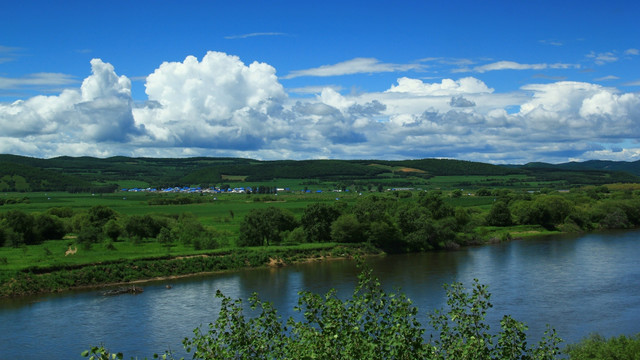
58, 241
615, 348
86, 174
372, 324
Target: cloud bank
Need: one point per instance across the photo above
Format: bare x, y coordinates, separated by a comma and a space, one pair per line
220, 106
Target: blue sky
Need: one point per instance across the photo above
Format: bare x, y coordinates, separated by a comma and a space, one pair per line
491, 81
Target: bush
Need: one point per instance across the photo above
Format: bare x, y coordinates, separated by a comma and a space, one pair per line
372, 324
597, 347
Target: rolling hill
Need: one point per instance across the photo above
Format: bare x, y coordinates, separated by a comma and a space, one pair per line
20, 173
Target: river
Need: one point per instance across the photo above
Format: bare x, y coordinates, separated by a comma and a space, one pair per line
578, 284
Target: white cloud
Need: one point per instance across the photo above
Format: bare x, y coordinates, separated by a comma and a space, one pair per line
38, 79
99, 111
313, 89
215, 102
447, 87
244, 36
607, 78
353, 66
551, 42
603, 58
512, 65
8, 53
632, 52
219, 106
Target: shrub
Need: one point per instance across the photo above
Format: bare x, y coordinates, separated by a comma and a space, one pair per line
597, 347
372, 324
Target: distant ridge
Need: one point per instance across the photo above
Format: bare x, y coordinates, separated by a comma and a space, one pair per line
605, 165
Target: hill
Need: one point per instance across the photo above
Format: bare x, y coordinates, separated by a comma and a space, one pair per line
605, 165
20, 173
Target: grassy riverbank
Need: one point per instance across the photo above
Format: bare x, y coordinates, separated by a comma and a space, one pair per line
76, 274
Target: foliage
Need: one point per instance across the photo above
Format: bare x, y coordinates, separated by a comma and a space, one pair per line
347, 229
371, 324
597, 347
316, 221
265, 226
144, 226
112, 229
499, 215
464, 334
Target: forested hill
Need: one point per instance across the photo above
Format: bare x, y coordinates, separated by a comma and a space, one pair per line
20, 173
606, 165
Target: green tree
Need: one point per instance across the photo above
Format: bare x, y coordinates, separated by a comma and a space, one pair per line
464, 333
113, 229
434, 202
88, 236
265, 226
23, 225
499, 215
145, 226
100, 214
347, 229
165, 237
188, 228
316, 221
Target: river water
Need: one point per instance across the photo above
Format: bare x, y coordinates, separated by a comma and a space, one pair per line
579, 285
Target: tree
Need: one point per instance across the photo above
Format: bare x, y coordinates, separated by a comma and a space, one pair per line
464, 334
88, 236
347, 229
49, 227
143, 226
165, 237
316, 221
499, 215
265, 226
23, 225
112, 229
434, 202
100, 214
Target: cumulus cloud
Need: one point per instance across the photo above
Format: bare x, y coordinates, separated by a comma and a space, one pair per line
446, 87
220, 106
354, 66
216, 102
100, 110
459, 101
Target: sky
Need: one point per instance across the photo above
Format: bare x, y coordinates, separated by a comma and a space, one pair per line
504, 82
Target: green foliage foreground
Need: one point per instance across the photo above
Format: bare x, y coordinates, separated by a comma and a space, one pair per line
372, 324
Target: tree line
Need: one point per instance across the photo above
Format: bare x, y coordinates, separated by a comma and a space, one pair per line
400, 223
395, 222
101, 224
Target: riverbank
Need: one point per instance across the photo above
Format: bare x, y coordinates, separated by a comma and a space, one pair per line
34, 281
122, 272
